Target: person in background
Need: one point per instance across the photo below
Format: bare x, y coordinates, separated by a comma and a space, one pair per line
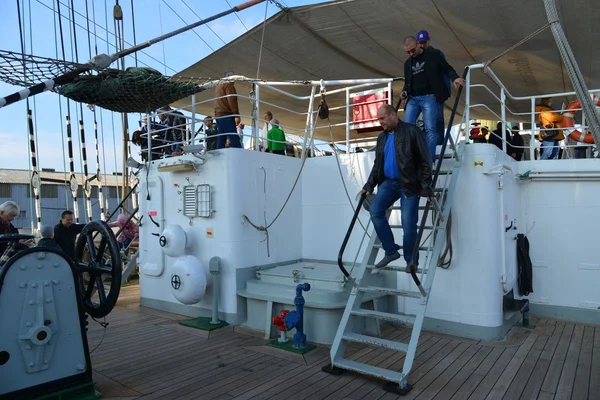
47, 240
549, 135
226, 111
9, 210
517, 147
276, 139
425, 72
65, 233
175, 124
424, 40
129, 230
211, 133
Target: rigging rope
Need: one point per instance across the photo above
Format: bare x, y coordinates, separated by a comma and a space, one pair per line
62, 132
73, 185
33, 190
133, 28
519, 43
262, 40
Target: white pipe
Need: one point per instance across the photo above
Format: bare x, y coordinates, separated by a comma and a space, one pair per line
193, 123
500, 170
162, 218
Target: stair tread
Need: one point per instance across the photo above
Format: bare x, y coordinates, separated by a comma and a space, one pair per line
393, 226
376, 341
397, 292
362, 312
421, 248
370, 370
389, 267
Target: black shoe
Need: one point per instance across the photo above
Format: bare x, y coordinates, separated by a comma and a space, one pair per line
387, 259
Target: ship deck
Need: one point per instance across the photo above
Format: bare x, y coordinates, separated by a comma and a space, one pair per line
146, 354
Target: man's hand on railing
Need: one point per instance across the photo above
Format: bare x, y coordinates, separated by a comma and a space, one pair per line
458, 81
363, 193
427, 191
403, 95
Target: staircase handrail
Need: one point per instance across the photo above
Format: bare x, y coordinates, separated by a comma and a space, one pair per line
411, 266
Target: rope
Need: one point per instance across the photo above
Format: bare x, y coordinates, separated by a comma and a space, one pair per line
519, 43
442, 262
262, 40
265, 228
340, 167
199, 17
161, 33
133, 28
32, 190
184, 21
62, 132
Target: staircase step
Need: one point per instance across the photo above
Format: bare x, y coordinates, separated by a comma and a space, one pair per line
395, 292
375, 341
427, 227
404, 318
421, 207
421, 248
370, 370
389, 267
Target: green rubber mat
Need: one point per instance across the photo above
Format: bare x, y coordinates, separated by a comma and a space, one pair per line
203, 323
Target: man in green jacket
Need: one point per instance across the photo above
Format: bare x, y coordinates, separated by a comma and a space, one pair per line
276, 139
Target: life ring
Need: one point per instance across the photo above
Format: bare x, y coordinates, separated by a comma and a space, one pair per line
568, 123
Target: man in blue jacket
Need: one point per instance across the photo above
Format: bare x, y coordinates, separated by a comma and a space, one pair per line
424, 86
401, 170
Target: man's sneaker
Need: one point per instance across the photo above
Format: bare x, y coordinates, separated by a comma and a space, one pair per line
387, 259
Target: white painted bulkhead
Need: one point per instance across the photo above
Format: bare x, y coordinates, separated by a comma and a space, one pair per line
558, 216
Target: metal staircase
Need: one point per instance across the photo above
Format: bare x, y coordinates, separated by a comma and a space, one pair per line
348, 330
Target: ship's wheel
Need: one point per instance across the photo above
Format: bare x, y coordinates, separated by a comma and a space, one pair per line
99, 267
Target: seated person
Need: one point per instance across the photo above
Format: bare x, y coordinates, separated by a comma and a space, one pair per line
47, 240
9, 210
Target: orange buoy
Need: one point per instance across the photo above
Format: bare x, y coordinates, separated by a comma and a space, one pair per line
568, 123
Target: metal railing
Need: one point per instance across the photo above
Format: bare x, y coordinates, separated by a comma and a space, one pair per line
532, 115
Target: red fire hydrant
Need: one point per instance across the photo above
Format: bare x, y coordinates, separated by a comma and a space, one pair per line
279, 321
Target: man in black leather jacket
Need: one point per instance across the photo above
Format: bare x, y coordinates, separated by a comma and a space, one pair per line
406, 175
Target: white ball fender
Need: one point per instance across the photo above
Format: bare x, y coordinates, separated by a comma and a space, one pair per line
188, 280
173, 241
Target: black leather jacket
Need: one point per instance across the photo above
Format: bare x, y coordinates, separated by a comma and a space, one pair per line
412, 157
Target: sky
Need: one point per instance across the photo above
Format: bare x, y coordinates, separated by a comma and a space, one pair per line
153, 18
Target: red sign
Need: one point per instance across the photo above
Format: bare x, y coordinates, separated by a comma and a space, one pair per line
364, 110
153, 213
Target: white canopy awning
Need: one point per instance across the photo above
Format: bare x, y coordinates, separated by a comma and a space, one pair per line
352, 39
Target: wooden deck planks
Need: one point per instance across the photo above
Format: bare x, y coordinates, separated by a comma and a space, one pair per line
145, 354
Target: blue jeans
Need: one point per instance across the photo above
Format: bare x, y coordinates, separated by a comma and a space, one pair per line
548, 152
428, 105
227, 125
388, 193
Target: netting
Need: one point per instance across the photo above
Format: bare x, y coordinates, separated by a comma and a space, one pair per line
26, 70
137, 89
133, 90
